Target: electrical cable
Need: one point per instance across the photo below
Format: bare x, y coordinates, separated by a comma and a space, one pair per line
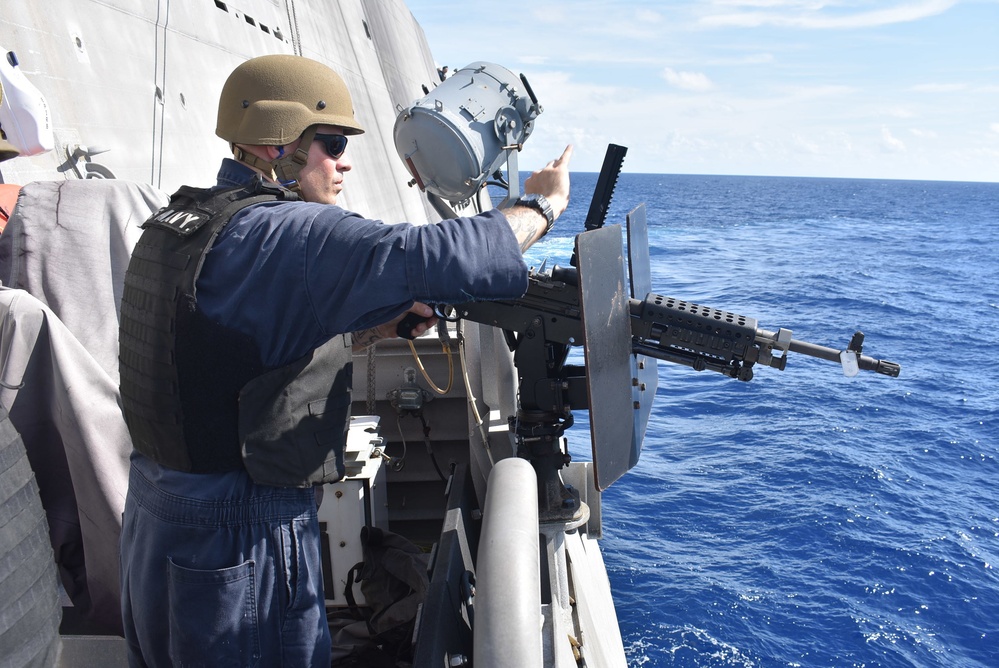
446, 347
476, 416
430, 450
399, 462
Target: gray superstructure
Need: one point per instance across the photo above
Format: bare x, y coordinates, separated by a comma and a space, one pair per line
139, 82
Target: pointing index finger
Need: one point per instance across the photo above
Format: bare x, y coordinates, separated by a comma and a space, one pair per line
566, 155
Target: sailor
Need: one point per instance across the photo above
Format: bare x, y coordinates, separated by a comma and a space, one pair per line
242, 303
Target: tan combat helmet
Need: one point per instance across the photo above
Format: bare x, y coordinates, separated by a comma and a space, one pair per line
273, 100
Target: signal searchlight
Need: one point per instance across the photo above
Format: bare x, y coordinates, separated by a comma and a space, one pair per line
458, 136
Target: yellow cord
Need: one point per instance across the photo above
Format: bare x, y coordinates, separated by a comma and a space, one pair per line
450, 368
477, 417
480, 425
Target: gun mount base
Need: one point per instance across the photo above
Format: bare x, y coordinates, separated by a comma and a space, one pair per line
540, 441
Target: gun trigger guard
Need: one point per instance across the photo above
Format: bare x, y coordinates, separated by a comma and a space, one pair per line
441, 311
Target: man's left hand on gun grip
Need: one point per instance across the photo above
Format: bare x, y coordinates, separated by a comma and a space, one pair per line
416, 321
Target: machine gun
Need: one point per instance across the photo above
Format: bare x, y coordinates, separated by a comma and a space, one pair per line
451, 141
588, 305
556, 314
666, 328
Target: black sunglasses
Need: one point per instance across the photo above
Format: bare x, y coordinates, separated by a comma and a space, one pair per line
335, 145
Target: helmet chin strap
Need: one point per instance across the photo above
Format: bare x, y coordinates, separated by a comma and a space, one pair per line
285, 168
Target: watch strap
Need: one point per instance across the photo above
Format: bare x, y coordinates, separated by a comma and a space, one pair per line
540, 204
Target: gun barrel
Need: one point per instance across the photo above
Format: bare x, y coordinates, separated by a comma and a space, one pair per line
883, 367
814, 350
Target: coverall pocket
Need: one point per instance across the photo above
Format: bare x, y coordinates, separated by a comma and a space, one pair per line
213, 616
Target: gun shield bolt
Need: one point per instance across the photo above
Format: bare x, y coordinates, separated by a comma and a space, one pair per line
338, 494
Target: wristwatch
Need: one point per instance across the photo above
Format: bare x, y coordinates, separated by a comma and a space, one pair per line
540, 204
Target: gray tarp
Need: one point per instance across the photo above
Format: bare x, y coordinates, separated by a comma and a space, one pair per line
66, 248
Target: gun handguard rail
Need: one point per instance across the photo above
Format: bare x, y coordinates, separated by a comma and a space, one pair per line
706, 338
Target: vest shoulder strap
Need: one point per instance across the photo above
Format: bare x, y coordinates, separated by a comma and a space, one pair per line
190, 208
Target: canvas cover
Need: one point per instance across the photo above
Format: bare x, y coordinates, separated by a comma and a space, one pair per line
63, 258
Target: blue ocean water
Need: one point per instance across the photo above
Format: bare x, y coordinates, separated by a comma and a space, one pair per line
805, 518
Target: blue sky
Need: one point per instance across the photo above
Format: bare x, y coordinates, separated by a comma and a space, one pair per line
903, 89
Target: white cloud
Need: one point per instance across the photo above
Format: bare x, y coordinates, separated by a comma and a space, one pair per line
648, 16
779, 4
756, 59
899, 112
799, 93
891, 143
939, 87
806, 145
692, 81
600, 22
820, 15
901, 100
550, 14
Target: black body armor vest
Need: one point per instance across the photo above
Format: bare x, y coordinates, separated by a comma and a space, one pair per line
196, 395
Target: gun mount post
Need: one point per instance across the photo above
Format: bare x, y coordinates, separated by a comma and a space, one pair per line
569, 307
542, 418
